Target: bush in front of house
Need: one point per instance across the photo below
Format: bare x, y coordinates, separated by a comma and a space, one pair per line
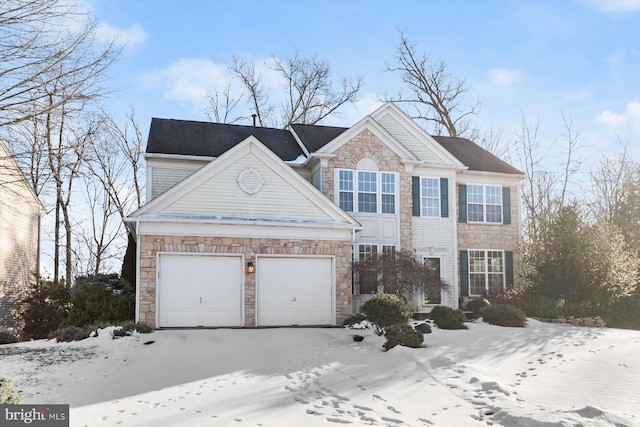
403, 335
103, 297
70, 333
504, 315
129, 328
476, 305
384, 310
8, 396
8, 336
532, 303
354, 320
447, 318
45, 307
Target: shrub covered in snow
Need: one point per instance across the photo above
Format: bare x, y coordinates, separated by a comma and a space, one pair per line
8, 396
384, 310
70, 333
354, 320
503, 315
447, 318
8, 336
129, 328
404, 335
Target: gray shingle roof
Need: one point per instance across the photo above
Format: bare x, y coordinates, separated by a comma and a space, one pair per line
475, 157
184, 137
315, 137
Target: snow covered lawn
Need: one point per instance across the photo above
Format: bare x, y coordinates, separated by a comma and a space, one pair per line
541, 375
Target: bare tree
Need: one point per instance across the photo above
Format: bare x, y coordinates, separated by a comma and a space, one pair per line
115, 160
310, 93
435, 95
95, 244
221, 106
37, 51
257, 94
615, 194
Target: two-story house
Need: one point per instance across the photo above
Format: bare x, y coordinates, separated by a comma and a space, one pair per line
20, 212
251, 226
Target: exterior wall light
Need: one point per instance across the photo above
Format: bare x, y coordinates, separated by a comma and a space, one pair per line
250, 267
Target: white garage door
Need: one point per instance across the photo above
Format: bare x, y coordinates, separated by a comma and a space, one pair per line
196, 290
294, 291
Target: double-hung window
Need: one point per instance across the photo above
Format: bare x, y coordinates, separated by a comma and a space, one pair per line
486, 272
367, 191
484, 203
430, 196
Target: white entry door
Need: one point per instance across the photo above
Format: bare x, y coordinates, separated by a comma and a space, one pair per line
295, 291
199, 290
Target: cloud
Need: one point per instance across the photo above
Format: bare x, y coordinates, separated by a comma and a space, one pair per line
614, 5
128, 37
506, 77
350, 114
627, 122
189, 80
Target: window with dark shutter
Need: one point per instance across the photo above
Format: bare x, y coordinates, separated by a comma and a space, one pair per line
462, 197
415, 195
506, 205
444, 197
464, 273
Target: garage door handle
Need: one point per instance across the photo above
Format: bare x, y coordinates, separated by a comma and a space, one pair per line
294, 299
200, 300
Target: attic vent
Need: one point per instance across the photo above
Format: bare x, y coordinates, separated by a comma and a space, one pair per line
250, 181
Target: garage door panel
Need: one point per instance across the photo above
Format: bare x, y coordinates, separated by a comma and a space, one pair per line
295, 291
200, 291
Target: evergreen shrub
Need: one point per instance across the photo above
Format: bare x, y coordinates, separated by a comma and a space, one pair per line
384, 310
447, 318
8, 396
403, 335
504, 315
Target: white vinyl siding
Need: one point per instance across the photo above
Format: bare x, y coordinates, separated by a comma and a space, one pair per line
417, 147
165, 177
316, 177
19, 233
222, 196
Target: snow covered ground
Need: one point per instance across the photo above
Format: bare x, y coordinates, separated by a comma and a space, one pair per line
543, 375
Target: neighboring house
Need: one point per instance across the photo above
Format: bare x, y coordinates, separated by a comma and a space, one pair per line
251, 226
20, 212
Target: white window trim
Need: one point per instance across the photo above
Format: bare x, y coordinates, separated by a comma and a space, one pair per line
356, 190
484, 204
422, 213
486, 269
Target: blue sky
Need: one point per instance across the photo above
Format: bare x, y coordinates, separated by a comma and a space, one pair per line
539, 58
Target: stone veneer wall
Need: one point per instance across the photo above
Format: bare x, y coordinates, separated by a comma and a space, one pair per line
367, 145
151, 245
492, 236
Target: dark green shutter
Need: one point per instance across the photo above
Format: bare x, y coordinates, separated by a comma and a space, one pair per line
415, 195
463, 202
506, 205
464, 273
508, 269
444, 197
